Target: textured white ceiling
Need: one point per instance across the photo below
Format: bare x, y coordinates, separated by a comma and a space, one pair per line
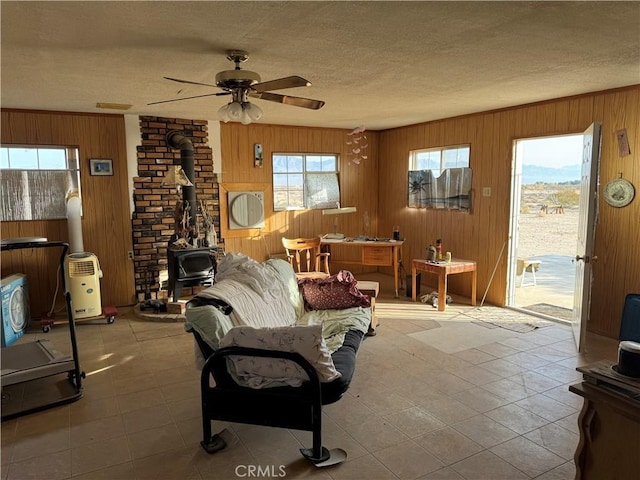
377, 64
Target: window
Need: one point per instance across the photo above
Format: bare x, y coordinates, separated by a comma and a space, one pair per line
305, 181
439, 159
36, 180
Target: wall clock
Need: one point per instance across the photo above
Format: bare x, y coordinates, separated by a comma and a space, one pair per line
619, 192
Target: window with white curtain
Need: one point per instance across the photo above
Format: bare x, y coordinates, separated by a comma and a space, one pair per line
303, 180
439, 159
35, 181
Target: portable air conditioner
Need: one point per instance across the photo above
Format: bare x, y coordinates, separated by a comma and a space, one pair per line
83, 282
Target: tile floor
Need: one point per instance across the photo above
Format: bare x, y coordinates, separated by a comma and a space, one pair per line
496, 407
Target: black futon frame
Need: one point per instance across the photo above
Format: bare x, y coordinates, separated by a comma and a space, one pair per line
285, 407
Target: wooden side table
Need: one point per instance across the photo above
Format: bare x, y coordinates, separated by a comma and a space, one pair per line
442, 269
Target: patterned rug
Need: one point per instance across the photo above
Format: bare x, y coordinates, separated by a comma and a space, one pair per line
551, 310
495, 317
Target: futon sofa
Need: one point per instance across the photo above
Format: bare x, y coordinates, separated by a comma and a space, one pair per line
275, 351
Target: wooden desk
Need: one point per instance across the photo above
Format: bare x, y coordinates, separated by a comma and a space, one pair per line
383, 254
442, 270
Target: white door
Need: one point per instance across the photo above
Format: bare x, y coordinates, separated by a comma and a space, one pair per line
586, 232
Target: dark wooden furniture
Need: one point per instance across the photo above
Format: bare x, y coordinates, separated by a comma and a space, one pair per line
609, 425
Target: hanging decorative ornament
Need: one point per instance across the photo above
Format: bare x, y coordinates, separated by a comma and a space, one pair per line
357, 144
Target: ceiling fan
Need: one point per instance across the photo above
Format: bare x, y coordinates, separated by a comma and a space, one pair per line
242, 84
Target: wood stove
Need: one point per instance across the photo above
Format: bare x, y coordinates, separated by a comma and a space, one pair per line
190, 267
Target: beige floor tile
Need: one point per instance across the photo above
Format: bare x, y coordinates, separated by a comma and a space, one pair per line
556, 439
546, 407
414, 421
476, 375
510, 390
52, 466
349, 410
99, 455
386, 402
562, 394
143, 382
448, 410
84, 411
527, 360
375, 434
448, 445
484, 430
517, 418
123, 471
180, 391
96, 430
480, 399
156, 440
497, 349
487, 466
146, 418
501, 367
360, 468
139, 400
124, 385
442, 474
408, 460
178, 464
259, 440
563, 472
527, 456
39, 443
570, 423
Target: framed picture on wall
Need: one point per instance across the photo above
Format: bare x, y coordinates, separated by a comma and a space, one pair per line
101, 166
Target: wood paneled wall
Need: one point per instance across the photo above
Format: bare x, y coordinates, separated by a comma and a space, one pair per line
106, 222
358, 183
377, 186
481, 234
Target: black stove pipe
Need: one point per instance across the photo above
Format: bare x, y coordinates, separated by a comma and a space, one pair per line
176, 139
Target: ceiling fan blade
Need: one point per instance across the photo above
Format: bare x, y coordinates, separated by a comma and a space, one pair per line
280, 83
188, 98
188, 81
289, 100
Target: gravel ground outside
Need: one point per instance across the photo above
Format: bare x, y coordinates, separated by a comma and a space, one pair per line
550, 234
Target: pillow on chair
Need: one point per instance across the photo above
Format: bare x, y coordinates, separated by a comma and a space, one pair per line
336, 292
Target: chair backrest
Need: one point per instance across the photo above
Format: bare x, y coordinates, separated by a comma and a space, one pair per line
630, 323
303, 253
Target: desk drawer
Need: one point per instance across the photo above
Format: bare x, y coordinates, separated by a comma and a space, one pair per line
377, 256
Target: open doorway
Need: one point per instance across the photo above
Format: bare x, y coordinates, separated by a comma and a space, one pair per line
545, 214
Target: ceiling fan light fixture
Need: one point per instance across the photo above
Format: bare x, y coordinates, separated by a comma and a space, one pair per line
253, 111
235, 110
223, 113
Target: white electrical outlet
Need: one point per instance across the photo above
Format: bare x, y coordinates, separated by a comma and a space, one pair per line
486, 191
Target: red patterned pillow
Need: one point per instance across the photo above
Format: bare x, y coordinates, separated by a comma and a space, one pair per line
336, 292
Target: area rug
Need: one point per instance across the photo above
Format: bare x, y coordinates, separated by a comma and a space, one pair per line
551, 310
493, 317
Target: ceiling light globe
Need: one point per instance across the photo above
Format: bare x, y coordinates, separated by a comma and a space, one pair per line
223, 113
254, 111
235, 110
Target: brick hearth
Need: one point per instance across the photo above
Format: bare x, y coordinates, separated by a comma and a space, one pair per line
153, 217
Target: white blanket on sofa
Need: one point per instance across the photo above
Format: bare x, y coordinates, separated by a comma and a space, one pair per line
255, 293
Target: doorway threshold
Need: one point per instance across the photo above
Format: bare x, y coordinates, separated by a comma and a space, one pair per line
532, 313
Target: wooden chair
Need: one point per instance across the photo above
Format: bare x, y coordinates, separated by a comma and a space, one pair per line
304, 253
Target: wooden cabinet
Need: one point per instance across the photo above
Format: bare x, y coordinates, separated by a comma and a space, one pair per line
381, 256
609, 434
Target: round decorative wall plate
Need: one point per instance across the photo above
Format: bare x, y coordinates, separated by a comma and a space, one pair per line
619, 192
